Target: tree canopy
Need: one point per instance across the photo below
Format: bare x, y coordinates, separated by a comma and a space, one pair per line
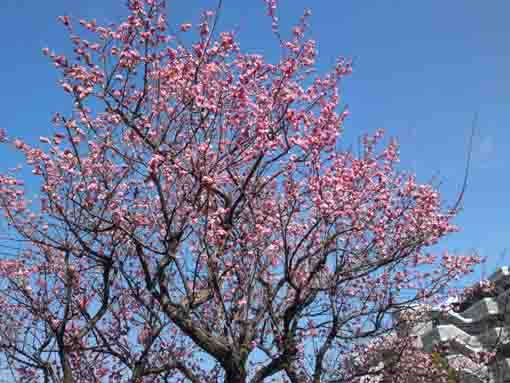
197, 221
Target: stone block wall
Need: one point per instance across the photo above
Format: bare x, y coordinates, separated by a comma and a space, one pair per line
481, 326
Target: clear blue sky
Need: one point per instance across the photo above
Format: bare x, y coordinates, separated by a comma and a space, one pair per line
422, 69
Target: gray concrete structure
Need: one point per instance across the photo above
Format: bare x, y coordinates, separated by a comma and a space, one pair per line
482, 326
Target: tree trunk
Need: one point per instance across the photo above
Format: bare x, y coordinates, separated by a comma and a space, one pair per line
235, 375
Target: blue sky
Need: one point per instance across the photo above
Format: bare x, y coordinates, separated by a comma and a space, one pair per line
422, 70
